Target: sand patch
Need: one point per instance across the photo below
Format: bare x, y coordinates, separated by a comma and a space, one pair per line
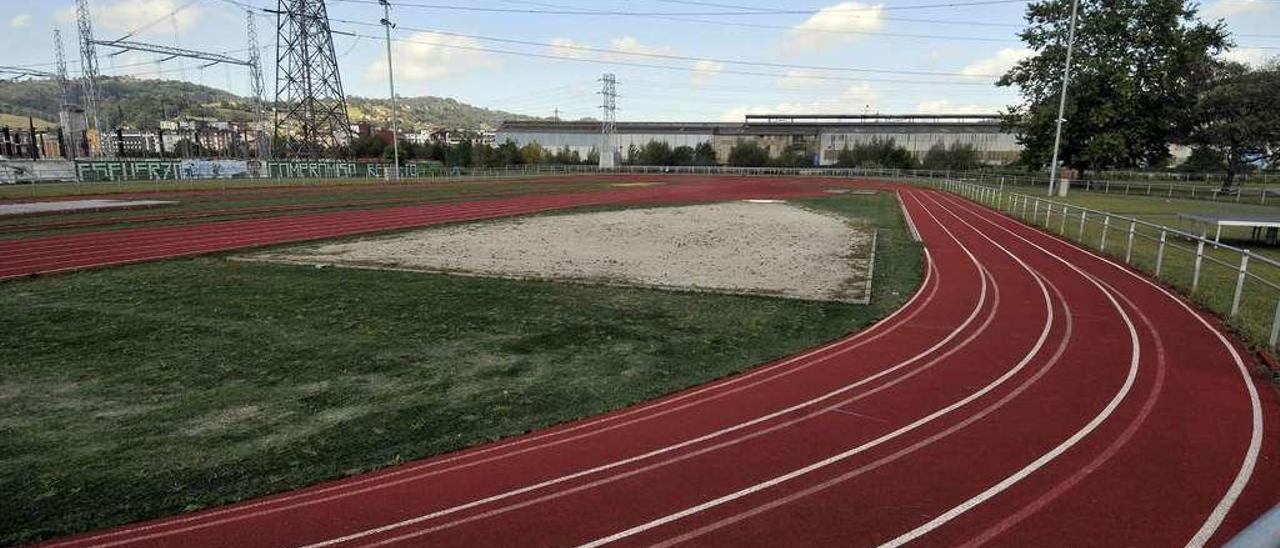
766, 248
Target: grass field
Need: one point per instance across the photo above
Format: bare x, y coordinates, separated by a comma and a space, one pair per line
142, 391
1219, 268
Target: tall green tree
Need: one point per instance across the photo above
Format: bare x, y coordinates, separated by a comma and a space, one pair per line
1237, 115
1135, 66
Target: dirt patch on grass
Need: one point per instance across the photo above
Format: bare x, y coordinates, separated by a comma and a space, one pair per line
759, 248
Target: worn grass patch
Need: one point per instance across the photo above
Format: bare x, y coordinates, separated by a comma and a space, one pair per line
142, 391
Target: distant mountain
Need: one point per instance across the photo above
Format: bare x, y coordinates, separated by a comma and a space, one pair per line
143, 103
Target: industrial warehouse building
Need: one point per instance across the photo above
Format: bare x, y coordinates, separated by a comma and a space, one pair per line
824, 136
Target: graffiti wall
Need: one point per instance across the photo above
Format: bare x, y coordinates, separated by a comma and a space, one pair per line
171, 170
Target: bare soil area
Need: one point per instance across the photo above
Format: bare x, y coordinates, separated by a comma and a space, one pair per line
770, 248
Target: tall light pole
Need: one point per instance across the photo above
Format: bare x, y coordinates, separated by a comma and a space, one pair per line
391, 77
1062, 99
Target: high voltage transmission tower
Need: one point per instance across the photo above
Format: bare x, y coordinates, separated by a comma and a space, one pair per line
89, 72
609, 106
259, 90
89, 66
311, 110
67, 110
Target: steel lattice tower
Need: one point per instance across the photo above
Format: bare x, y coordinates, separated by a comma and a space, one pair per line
89, 71
310, 106
609, 106
259, 90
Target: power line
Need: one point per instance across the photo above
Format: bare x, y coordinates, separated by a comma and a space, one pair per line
673, 67
656, 55
451, 7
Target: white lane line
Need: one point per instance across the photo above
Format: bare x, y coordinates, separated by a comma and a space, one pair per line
797, 495
430, 468
1220, 510
703, 450
911, 223
1049, 320
1070, 442
973, 315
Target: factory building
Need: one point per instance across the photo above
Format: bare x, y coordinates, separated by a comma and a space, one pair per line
824, 136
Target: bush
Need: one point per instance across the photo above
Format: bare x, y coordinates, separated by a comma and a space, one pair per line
879, 153
748, 154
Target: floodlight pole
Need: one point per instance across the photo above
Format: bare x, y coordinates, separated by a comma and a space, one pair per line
1062, 99
391, 78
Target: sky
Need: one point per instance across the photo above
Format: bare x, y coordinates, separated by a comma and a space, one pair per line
675, 60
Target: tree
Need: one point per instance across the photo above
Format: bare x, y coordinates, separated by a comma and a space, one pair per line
876, 153
682, 156
1236, 117
1133, 71
957, 156
704, 155
655, 153
1204, 159
369, 146
746, 153
531, 153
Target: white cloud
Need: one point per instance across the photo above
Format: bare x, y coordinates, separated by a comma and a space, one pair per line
853, 99
833, 26
1255, 57
564, 47
1231, 8
703, 70
428, 56
20, 21
631, 45
995, 66
127, 15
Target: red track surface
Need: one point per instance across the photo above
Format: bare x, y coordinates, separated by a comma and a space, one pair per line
1030, 394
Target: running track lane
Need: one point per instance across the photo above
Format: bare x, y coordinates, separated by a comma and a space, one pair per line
1030, 394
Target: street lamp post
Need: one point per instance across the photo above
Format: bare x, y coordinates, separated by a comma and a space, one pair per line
1062, 99
391, 78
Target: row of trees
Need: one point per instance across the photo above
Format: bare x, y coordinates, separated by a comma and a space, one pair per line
467, 154
1146, 74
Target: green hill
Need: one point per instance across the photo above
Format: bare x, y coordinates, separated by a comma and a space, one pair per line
143, 103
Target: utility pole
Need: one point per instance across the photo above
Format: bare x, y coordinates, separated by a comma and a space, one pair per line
609, 106
1062, 99
387, 25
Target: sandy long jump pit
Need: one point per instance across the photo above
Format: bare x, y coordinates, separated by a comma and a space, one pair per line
757, 248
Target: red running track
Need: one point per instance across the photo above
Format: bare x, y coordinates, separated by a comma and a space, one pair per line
1030, 394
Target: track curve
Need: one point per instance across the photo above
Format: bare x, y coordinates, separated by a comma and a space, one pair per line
1030, 393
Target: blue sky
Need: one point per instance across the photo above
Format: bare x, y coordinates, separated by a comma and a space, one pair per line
960, 48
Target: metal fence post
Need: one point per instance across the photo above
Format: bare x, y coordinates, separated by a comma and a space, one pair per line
1160, 253
1063, 229
1275, 325
1195, 273
1106, 223
1035, 215
1244, 270
1128, 248
1084, 219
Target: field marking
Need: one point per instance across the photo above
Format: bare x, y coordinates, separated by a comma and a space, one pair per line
1219, 512
861, 448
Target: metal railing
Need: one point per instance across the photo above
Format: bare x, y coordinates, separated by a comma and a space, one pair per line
1241, 285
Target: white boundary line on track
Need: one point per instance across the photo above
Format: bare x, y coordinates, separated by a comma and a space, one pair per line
838, 347
739, 426
1070, 442
1219, 512
911, 223
861, 448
